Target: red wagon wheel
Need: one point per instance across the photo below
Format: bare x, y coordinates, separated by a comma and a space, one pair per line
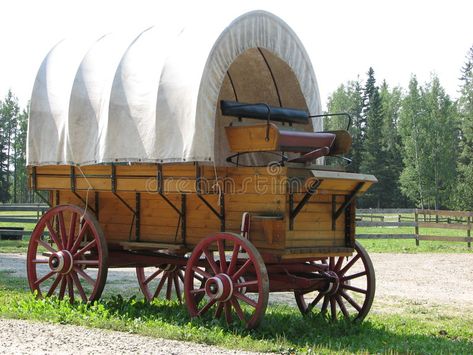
161, 280
73, 261
229, 279
351, 292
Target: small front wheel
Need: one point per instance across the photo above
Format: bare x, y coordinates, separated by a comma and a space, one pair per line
235, 285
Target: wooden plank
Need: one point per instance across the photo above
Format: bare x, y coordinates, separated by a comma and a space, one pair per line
337, 175
441, 213
386, 236
385, 224
13, 219
385, 210
443, 226
23, 208
445, 238
252, 138
146, 245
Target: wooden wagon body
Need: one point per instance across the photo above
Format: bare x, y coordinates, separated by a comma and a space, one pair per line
294, 212
168, 172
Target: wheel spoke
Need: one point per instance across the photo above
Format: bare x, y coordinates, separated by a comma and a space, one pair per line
245, 299
79, 238
70, 287
339, 263
238, 309
354, 289
211, 261
204, 273
324, 305
331, 263
40, 261
312, 304
342, 307
44, 278
233, 259
228, 312
46, 246
169, 286
53, 235
177, 286
181, 276
62, 290
160, 286
241, 270
354, 276
221, 252
350, 264
153, 276
84, 275
218, 311
350, 300
197, 290
207, 307
86, 262
54, 285
333, 308
76, 280
245, 284
85, 249
62, 229
72, 230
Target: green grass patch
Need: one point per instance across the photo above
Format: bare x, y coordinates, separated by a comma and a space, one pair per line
283, 330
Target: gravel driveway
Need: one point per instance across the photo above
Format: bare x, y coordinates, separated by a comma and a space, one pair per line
440, 279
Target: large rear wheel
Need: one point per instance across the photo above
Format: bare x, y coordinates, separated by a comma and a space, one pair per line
72, 260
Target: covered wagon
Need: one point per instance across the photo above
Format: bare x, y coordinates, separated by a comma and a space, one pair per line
196, 156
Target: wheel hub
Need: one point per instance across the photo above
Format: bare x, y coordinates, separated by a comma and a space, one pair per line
333, 284
61, 262
219, 287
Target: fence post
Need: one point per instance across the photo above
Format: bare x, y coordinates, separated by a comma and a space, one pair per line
469, 231
416, 219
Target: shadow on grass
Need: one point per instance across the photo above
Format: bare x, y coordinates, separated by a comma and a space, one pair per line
285, 323
283, 328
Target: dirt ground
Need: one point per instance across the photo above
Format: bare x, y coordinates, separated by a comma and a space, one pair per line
401, 280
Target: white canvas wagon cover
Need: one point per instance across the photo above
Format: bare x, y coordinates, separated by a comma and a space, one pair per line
154, 96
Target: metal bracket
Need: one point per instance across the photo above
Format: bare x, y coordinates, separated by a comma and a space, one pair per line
198, 188
135, 211
183, 218
348, 200
221, 215
293, 212
73, 189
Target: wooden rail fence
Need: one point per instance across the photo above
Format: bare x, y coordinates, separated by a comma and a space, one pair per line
418, 220
13, 220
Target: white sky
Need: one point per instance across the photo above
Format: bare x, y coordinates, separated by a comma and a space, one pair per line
343, 38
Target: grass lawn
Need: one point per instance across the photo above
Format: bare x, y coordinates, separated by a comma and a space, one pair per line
283, 330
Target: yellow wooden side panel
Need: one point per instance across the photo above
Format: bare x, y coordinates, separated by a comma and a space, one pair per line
313, 225
252, 138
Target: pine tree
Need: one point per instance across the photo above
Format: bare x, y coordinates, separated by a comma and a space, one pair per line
464, 186
391, 106
373, 158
